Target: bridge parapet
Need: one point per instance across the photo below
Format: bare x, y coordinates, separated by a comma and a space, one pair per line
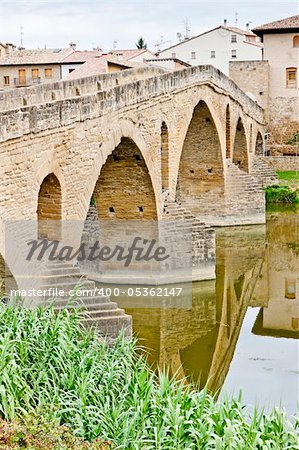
60, 90
48, 106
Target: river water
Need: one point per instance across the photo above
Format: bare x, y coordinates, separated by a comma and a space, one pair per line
240, 331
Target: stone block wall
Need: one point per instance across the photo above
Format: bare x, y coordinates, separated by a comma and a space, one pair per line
282, 163
253, 78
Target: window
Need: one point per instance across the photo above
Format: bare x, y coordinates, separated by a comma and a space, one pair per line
193, 55
291, 77
234, 38
173, 55
6, 80
22, 76
234, 53
296, 41
48, 73
34, 73
213, 54
290, 289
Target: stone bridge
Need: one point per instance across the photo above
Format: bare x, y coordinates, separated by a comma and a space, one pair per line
142, 144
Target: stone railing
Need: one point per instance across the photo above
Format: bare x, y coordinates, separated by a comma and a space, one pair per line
61, 90
283, 163
92, 97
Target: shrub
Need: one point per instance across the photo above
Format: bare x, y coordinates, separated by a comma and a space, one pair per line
35, 433
280, 194
49, 361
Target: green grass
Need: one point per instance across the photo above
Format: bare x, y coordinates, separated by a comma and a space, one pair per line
290, 175
48, 362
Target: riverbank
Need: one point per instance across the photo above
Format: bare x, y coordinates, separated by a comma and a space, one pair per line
51, 364
286, 192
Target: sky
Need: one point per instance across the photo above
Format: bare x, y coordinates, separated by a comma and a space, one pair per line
119, 24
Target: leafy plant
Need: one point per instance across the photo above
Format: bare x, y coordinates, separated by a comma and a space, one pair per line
280, 194
49, 362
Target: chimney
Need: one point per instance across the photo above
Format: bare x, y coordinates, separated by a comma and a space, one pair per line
248, 26
9, 48
225, 22
72, 45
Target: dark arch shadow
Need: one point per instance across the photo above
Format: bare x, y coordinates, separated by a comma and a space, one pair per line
200, 174
49, 208
240, 151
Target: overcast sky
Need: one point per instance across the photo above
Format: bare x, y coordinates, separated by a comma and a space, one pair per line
91, 23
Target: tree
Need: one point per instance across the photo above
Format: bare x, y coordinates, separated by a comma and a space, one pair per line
141, 43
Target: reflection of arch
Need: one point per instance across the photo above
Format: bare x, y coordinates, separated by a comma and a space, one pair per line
259, 144
164, 156
240, 153
227, 131
124, 189
201, 164
49, 208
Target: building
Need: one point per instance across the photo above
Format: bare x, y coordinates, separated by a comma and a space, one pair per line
169, 64
133, 55
21, 67
97, 65
217, 47
273, 82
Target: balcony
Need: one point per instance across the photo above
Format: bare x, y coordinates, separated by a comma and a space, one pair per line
22, 82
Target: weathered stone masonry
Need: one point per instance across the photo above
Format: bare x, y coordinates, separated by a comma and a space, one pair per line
71, 129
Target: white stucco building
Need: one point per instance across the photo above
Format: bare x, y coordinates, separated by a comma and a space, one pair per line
217, 47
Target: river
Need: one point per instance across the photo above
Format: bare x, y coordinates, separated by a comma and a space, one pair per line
240, 331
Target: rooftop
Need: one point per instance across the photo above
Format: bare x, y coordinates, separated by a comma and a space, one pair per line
129, 53
220, 27
279, 26
97, 65
47, 56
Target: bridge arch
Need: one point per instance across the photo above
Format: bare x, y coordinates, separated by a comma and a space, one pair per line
201, 170
240, 148
124, 188
49, 208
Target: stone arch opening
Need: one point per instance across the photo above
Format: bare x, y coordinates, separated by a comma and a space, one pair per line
259, 144
124, 188
227, 131
240, 154
201, 165
49, 209
164, 157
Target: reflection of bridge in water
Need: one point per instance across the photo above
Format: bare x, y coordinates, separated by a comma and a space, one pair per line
253, 268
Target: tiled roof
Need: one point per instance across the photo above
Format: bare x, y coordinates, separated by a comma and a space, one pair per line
79, 56
279, 25
239, 31
256, 44
96, 65
129, 53
46, 56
